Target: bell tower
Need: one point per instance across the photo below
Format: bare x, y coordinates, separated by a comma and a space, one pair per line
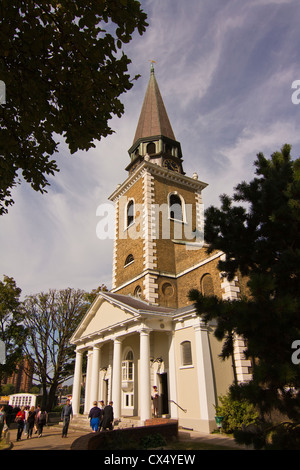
154, 135
158, 212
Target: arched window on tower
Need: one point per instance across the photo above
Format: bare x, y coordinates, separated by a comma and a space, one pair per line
168, 149
129, 260
138, 292
151, 148
130, 212
175, 207
207, 285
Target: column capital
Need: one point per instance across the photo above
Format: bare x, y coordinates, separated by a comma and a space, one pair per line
118, 339
80, 351
145, 330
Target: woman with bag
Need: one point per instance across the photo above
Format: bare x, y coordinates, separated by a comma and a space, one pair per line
20, 420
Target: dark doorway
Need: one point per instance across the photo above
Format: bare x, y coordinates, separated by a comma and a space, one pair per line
105, 392
164, 393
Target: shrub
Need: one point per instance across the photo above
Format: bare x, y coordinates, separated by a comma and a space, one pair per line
237, 413
153, 441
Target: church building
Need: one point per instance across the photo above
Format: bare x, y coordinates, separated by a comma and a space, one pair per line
145, 332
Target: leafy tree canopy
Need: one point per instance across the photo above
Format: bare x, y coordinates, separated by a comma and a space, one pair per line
51, 318
12, 332
62, 65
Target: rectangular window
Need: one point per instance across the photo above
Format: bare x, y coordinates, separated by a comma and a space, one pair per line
128, 400
127, 370
186, 353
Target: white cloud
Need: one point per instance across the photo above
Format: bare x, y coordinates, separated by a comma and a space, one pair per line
254, 140
225, 71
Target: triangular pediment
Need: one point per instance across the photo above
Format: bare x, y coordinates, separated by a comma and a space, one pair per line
103, 314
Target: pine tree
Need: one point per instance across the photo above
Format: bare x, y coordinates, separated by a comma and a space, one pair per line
260, 238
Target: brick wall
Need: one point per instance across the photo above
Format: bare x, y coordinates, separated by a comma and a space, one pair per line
114, 439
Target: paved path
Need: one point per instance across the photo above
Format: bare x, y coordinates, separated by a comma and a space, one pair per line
50, 440
214, 439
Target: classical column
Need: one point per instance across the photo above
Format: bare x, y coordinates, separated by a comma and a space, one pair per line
77, 383
206, 387
95, 375
116, 378
145, 390
172, 376
88, 381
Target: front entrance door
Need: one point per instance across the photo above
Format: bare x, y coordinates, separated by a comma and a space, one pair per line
164, 393
106, 392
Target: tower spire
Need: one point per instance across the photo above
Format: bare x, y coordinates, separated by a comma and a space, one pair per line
154, 135
153, 120
152, 66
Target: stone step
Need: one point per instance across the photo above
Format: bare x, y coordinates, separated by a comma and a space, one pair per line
83, 422
80, 422
128, 423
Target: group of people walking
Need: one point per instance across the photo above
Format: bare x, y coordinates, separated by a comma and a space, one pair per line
33, 419
30, 419
102, 416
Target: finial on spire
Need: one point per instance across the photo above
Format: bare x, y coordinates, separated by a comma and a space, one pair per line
152, 62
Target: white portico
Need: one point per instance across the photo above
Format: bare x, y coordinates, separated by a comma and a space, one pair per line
131, 345
117, 335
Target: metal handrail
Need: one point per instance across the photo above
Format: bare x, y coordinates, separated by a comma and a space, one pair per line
172, 401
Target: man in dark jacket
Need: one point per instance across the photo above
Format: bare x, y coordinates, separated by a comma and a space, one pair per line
66, 414
108, 417
95, 416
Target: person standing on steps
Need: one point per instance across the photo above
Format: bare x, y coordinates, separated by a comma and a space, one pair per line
154, 398
66, 414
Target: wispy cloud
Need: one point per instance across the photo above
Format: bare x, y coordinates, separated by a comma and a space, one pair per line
225, 71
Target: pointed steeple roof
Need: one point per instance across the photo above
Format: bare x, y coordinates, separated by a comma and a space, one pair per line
153, 119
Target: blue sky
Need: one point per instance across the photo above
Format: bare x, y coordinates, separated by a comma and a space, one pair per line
225, 70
